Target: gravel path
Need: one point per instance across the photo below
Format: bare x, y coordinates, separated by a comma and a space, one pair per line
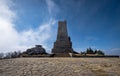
60, 67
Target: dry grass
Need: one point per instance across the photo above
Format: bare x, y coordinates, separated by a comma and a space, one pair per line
60, 67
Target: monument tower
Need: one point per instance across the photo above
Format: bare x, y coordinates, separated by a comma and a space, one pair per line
63, 43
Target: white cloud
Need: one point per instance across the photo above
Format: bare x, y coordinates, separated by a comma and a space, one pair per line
52, 7
11, 39
5, 12
8, 35
39, 36
114, 51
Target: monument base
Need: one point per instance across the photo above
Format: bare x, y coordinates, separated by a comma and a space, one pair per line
62, 55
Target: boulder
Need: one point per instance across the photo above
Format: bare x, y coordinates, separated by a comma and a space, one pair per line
38, 49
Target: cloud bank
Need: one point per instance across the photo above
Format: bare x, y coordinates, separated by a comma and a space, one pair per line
12, 40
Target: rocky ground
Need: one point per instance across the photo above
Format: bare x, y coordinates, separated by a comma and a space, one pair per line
60, 67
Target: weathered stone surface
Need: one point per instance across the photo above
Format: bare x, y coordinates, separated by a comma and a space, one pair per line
60, 67
63, 43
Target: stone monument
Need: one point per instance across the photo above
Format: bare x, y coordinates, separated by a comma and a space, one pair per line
63, 42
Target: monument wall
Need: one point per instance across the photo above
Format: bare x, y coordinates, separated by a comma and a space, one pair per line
63, 42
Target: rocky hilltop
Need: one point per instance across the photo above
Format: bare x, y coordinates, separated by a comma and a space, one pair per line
60, 67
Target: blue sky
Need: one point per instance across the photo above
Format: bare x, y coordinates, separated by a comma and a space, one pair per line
91, 23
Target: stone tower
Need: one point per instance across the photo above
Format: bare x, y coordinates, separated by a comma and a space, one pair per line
63, 43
